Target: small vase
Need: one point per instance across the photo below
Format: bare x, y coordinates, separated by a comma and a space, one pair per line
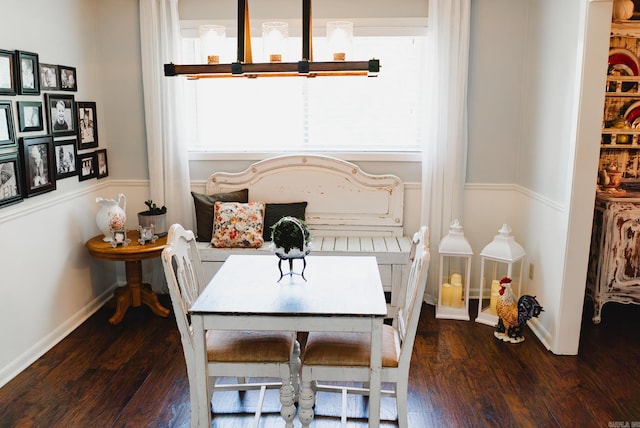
111, 216
159, 223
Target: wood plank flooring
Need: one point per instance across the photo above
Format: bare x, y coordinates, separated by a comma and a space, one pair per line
134, 375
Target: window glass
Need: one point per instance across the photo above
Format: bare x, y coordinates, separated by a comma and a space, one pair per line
362, 114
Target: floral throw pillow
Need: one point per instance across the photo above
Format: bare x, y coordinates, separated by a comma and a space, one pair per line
237, 224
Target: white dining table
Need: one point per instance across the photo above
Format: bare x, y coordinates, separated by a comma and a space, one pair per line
337, 293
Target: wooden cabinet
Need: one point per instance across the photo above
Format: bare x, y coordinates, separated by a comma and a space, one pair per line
614, 261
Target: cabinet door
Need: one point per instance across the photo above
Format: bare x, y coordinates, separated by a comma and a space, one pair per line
624, 276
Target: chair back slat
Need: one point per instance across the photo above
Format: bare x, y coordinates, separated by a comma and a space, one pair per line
185, 279
409, 311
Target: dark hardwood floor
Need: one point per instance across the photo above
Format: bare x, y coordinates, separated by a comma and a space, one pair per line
133, 375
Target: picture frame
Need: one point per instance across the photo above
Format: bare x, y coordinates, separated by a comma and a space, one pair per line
86, 166
7, 72
87, 125
28, 79
49, 77
66, 155
61, 114
68, 78
30, 116
10, 182
38, 164
102, 164
7, 131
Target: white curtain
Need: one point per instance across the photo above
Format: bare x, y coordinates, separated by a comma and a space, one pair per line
444, 160
167, 156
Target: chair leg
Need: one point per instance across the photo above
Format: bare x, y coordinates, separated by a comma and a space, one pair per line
306, 402
295, 364
288, 408
401, 403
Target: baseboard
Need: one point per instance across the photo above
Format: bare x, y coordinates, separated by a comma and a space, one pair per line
41, 347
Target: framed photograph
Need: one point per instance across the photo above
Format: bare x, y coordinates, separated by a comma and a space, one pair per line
49, 77
86, 166
61, 111
30, 116
7, 72
66, 155
7, 132
10, 184
39, 165
103, 166
87, 125
68, 78
28, 80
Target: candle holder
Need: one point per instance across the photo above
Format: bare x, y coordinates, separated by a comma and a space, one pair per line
274, 40
454, 273
211, 42
501, 257
340, 39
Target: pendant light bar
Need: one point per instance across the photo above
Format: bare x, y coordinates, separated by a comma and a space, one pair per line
244, 67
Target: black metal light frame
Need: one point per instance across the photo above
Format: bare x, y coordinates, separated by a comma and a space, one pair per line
244, 67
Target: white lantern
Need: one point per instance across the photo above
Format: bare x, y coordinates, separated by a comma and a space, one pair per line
501, 257
454, 273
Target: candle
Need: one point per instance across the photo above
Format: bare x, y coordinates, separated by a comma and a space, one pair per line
456, 294
446, 294
456, 290
495, 291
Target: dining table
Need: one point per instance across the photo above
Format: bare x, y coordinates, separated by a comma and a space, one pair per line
336, 294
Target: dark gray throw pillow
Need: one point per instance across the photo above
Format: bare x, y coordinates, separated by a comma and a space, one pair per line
274, 212
204, 210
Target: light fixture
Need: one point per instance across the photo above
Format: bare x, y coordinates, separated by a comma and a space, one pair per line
501, 257
244, 66
454, 273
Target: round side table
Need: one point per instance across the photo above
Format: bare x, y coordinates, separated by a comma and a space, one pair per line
135, 292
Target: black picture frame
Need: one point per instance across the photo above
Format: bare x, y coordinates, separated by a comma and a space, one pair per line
7, 72
66, 155
28, 79
87, 125
61, 114
102, 164
86, 166
10, 179
30, 116
49, 77
68, 78
38, 164
7, 130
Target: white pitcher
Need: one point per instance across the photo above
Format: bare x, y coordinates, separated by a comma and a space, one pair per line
111, 216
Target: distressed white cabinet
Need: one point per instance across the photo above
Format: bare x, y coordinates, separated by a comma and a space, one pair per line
614, 261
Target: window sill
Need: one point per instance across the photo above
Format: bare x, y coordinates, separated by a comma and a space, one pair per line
349, 156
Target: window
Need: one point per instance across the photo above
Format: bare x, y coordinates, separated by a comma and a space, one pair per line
324, 114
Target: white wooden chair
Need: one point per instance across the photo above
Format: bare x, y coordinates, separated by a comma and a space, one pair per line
345, 357
230, 354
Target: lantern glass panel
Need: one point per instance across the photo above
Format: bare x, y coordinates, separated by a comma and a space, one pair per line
493, 272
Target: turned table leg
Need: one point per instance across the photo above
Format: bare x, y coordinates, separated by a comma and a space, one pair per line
135, 293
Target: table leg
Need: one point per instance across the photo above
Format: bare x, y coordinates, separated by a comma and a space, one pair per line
135, 293
201, 415
375, 373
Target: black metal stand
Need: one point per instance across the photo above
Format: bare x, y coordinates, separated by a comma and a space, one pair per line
291, 272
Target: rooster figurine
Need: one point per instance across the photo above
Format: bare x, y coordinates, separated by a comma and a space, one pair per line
513, 317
